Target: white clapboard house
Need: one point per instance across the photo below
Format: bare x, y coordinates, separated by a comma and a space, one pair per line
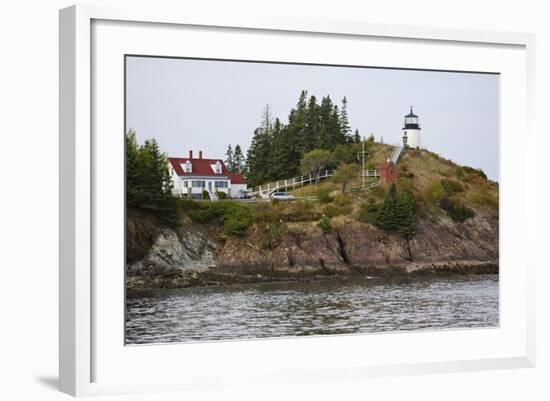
191, 176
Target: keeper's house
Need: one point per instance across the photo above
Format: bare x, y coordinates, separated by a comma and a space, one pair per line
192, 176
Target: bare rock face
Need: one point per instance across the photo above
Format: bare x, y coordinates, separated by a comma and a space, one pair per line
174, 252
439, 246
297, 253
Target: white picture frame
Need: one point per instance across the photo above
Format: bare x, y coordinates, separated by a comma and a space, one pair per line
80, 343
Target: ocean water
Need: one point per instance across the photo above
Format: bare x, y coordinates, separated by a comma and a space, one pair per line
363, 305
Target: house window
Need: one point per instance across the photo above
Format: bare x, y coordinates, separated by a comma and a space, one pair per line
187, 166
198, 184
221, 184
185, 183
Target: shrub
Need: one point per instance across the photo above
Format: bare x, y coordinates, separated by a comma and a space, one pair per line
185, 204
369, 211
204, 215
371, 165
270, 234
377, 192
472, 171
205, 194
234, 217
434, 191
323, 195
221, 195
333, 211
483, 198
451, 187
299, 211
456, 211
237, 223
324, 224
342, 200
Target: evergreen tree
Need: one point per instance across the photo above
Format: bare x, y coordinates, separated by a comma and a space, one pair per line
284, 158
356, 136
238, 160
398, 213
148, 181
132, 169
387, 218
259, 151
326, 115
407, 211
229, 159
344, 121
310, 138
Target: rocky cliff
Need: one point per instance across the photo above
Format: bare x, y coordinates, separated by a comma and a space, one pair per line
196, 255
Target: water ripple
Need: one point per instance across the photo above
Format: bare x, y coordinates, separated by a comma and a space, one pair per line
296, 309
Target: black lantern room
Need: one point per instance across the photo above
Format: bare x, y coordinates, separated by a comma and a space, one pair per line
411, 121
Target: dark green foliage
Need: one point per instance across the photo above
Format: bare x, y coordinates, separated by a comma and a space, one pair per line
398, 213
456, 211
259, 151
221, 195
324, 224
186, 205
348, 153
277, 149
356, 136
234, 217
387, 216
205, 194
284, 159
239, 160
148, 182
229, 163
451, 187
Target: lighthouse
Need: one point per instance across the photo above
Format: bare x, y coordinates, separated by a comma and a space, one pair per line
411, 130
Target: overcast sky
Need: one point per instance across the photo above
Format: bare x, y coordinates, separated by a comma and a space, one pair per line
205, 105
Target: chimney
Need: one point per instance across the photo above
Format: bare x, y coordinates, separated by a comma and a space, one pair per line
190, 154
200, 154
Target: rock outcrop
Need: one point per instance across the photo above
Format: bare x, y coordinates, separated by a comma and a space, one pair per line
190, 255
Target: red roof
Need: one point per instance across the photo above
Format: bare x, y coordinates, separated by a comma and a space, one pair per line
198, 167
201, 167
237, 178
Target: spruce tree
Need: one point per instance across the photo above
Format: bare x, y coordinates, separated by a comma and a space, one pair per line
229, 159
132, 169
344, 121
238, 160
310, 138
356, 136
387, 218
259, 151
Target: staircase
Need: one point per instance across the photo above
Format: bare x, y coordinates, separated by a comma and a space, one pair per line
264, 191
213, 195
397, 150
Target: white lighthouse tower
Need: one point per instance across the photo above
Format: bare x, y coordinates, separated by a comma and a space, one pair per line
411, 131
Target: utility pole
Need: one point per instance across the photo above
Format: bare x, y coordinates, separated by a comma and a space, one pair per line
363, 171
363, 152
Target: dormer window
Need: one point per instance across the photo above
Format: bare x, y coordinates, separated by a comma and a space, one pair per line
187, 167
217, 167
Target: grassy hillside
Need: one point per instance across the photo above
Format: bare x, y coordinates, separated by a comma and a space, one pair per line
437, 187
